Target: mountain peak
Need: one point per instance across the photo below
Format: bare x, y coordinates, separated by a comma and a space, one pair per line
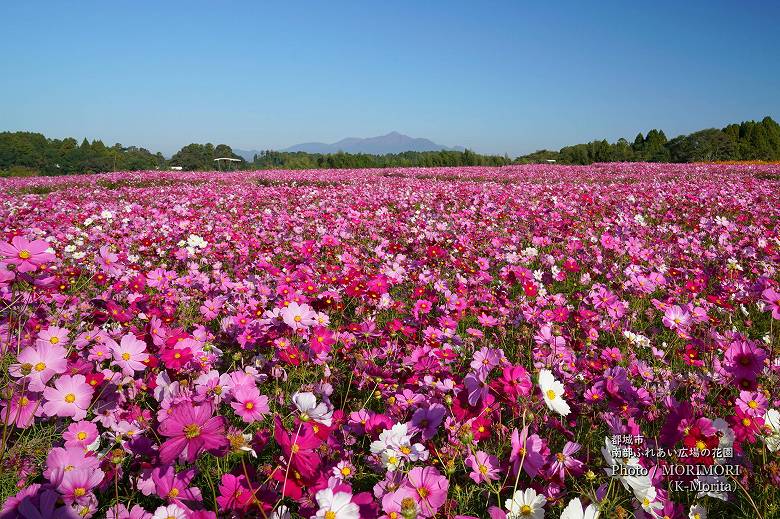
393, 142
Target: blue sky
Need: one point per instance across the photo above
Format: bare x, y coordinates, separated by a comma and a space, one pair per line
498, 77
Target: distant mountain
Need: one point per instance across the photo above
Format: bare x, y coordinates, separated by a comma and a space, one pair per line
393, 142
247, 155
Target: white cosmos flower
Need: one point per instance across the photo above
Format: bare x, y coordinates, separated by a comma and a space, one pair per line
697, 512
169, 512
574, 510
391, 459
647, 498
628, 466
772, 420
553, 391
391, 439
311, 410
525, 504
336, 506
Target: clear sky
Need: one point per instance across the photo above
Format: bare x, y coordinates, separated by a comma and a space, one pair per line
499, 77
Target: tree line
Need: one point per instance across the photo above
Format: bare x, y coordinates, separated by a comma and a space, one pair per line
27, 153
747, 141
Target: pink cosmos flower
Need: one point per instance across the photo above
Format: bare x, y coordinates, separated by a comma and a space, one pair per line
527, 451
80, 434
772, 299
175, 487
130, 354
675, 318
53, 335
483, 466
25, 254
298, 316
60, 461
40, 364
394, 504
108, 261
120, 511
430, 489
485, 359
752, 403
250, 405
78, 483
565, 461
22, 409
192, 430
70, 396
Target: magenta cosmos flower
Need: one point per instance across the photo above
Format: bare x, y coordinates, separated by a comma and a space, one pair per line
192, 430
430, 489
26, 255
70, 396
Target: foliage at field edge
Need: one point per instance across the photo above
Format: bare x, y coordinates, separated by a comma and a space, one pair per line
29, 154
526, 341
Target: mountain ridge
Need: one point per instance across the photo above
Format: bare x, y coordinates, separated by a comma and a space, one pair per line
393, 142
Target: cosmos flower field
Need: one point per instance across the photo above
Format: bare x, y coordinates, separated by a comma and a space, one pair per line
527, 341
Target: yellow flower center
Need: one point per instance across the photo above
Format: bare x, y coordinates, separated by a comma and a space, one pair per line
346, 471
70, 398
525, 510
40, 366
483, 469
68, 468
423, 492
81, 435
54, 340
177, 355
405, 449
125, 356
701, 445
746, 421
173, 493
79, 491
192, 431
551, 394
330, 514
24, 254
24, 401
298, 319
249, 405
560, 457
295, 448
752, 404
